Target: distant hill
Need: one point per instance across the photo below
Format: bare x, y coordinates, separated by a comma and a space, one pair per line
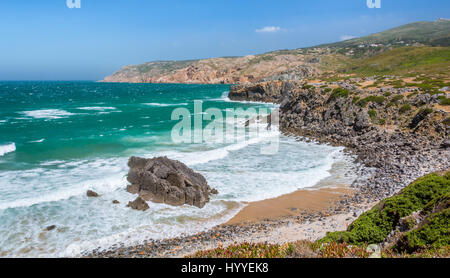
291, 64
435, 33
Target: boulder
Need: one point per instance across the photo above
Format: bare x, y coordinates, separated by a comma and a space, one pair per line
162, 180
92, 194
138, 204
49, 228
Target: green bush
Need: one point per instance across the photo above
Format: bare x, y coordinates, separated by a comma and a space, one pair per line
377, 99
374, 225
372, 114
404, 108
339, 93
445, 101
434, 233
397, 98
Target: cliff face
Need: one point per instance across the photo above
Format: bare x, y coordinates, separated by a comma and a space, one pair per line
237, 70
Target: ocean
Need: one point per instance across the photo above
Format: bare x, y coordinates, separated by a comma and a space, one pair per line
59, 139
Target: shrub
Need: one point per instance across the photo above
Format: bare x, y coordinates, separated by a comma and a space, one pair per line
338, 93
374, 225
397, 98
445, 101
377, 99
372, 114
404, 108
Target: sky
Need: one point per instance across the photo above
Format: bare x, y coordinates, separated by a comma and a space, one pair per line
46, 40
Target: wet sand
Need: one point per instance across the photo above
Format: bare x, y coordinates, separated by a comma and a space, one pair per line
294, 204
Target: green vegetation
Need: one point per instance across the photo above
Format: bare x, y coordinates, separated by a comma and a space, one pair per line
372, 114
374, 225
339, 93
445, 101
397, 98
402, 61
430, 33
247, 250
435, 233
377, 99
404, 108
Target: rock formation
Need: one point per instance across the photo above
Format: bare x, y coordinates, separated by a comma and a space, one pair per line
400, 147
162, 180
92, 194
138, 204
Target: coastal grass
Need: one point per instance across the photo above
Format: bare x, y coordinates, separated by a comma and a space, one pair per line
410, 60
374, 225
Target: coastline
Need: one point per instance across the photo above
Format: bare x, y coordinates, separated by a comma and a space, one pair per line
387, 160
307, 213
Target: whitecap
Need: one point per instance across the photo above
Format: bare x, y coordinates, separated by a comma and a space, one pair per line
165, 104
48, 114
4, 149
97, 108
38, 141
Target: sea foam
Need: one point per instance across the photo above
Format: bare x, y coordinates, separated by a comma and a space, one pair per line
4, 149
47, 114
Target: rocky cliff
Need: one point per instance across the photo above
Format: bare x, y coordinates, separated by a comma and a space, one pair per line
232, 70
399, 145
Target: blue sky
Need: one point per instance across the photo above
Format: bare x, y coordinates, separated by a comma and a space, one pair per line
45, 40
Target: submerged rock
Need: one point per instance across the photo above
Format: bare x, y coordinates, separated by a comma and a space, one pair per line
92, 194
49, 228
138, 204
162, 180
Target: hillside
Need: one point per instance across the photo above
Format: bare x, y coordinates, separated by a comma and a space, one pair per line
287, 64
435, 33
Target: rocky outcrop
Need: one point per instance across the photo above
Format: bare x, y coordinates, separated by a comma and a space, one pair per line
397, 147
139, 204
92, 194
272, 91
228, 70
163, 180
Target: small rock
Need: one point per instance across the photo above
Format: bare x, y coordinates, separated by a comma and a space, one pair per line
138, 204
91, 193
214, 191
115, 202
49, 228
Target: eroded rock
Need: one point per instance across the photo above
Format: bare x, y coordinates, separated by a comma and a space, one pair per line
92, 194
138, 204
162, 180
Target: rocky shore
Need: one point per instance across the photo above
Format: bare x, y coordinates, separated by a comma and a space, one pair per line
397, 147
393, 148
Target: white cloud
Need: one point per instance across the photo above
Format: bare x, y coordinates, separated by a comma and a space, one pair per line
268, 29
346, 37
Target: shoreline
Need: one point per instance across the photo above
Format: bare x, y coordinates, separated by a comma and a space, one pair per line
307, 213
386, 159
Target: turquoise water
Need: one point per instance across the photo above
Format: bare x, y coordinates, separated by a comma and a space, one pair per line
59, 139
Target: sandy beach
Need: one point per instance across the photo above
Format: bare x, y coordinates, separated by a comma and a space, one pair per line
291, 205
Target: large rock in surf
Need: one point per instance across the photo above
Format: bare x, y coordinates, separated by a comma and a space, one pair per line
162, 180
